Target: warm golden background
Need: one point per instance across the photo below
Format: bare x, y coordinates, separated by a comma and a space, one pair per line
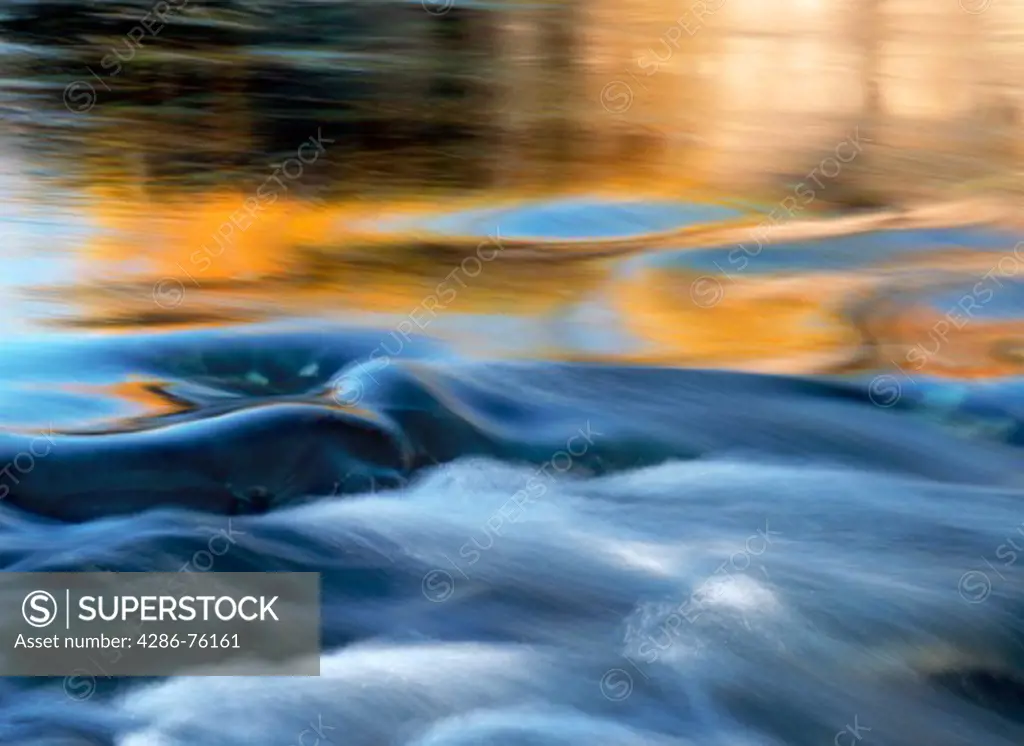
442, 106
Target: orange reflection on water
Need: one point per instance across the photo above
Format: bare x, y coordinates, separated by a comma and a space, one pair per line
331, 259
214, 236
295, 257
758, 324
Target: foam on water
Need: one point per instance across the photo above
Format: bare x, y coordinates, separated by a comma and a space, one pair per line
543, 553
692, 602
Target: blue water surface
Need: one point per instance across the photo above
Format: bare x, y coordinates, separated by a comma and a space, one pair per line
574, 218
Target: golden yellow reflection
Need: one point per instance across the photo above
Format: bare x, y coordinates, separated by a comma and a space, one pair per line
910, 108
924, 341
758, 324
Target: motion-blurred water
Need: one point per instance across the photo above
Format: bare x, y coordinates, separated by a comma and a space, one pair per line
583, 452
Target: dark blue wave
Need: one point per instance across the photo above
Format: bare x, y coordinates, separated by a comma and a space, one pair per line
533, 552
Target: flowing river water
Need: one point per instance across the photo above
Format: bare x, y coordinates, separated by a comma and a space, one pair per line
580, 460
